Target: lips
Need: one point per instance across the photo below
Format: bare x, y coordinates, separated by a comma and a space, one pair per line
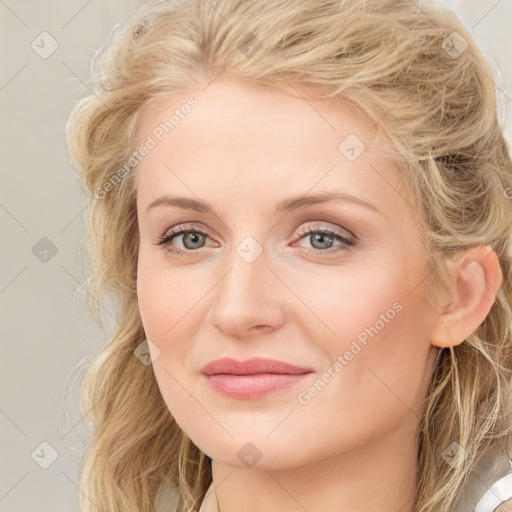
256, 365
252, 379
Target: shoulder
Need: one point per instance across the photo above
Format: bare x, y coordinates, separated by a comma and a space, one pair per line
505, 507
489, 486
499, 497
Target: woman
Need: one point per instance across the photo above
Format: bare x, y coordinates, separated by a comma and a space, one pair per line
303, 210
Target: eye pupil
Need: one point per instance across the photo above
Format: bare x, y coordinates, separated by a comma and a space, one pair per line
194, 238
319, 237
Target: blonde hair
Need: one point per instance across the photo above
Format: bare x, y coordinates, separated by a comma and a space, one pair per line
403, 65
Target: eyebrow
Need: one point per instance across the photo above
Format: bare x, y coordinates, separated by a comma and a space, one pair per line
284, 206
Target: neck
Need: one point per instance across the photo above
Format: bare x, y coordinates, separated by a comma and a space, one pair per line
380, 476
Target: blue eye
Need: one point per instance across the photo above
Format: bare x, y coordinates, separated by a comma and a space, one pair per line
321, 235
169, 236
317, 235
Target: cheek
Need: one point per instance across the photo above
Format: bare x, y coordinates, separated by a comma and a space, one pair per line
373, 332
172, 312
347, 300
161, 305
153, 301
167, 298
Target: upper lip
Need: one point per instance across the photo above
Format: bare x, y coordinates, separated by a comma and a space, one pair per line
251, 366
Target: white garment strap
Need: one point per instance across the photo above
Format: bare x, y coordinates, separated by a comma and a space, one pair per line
500, 492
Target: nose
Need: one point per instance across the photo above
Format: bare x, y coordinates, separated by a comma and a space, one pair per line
249, 298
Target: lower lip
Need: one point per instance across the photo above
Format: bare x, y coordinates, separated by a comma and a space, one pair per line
252, 386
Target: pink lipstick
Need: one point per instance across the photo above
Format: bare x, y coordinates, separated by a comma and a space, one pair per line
254, 378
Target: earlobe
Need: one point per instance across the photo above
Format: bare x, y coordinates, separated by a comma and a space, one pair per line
476, 277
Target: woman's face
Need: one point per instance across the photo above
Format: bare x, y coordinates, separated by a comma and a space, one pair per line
256, 279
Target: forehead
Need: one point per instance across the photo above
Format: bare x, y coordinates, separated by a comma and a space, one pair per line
258, 141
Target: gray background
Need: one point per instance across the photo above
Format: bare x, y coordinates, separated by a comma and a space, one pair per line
45, 330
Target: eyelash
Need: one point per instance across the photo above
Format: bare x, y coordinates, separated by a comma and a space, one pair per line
345, 245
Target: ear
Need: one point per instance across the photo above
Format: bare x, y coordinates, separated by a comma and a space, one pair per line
476, 277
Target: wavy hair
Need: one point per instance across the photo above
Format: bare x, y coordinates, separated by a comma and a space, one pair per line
419, 75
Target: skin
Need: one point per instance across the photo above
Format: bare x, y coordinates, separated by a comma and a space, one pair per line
243, 149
